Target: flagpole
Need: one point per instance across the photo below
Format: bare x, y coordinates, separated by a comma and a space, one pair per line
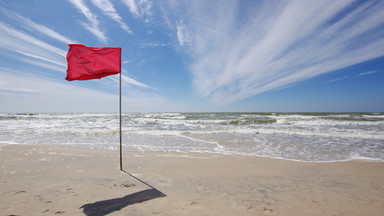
121, 154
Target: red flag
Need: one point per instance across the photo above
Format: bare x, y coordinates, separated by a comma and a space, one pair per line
86, 63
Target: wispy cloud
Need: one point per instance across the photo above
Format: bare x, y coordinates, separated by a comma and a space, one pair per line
367, 73
29, 24
152, 44
5, 86
93, 25
130, 81
107, 7
18, 42
131, 4
337, 79
140, 8
40, 58
21, 92
183, 33
276, 44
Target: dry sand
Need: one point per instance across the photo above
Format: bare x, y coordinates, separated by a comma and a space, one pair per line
52, 180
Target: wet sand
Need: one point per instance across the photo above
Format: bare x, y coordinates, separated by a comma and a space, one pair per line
53, 180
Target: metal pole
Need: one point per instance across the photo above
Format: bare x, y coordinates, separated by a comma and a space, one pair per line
121, 154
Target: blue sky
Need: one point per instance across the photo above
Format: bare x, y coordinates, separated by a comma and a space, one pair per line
252, 56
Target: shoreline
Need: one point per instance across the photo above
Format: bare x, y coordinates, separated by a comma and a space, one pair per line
218, 154
290, 136
58, 180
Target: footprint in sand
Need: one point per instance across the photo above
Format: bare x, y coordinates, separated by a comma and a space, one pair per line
195, 205
56, 213
268, 210
127, 185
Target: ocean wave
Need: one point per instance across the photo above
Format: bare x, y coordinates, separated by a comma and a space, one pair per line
291, 136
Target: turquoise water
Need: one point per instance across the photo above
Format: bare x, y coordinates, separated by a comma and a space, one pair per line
319, 137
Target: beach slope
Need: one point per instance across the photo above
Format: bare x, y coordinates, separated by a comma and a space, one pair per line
52, 180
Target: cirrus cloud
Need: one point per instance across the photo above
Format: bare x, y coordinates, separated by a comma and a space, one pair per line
107, 7
273, 45
93, 23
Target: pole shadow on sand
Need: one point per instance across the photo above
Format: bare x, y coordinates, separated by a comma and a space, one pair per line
105, 207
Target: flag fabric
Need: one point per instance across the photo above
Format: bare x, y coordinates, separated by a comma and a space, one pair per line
85, 63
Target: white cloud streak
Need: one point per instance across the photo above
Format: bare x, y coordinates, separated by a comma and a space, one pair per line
93, 25
37, 27
367, 73
134, 82
130, 81
337, 79
41, 58
242, 50
107, 7
21, 92
152, 44
131, 4
7, 31
6, 86
18, 42
140, 8
183, 34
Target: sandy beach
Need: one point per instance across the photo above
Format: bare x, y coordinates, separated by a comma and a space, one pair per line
53, 180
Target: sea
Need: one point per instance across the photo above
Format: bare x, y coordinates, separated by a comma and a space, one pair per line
306, 137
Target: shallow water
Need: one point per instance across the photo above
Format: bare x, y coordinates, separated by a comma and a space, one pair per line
293, 136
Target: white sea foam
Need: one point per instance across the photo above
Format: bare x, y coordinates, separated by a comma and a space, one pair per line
291, 136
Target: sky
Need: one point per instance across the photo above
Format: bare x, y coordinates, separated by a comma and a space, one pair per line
196, 56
